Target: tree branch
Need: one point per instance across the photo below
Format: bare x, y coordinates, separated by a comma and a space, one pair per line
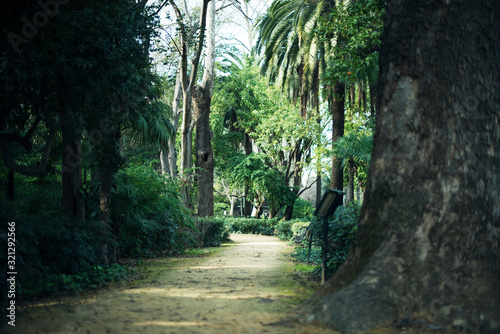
199, 48
160, 8
305, 188
16, 138
23, 140
30, 171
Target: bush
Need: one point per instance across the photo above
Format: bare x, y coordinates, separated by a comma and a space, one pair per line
251, 225
151, 217
303, 209
342, 228
210, 232
55, 256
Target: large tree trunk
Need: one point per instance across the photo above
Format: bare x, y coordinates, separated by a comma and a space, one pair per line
427, 246
176, 110
232, 211
110, 160
106, 178
204, 153
248, 203
202, 97
318, 190
188, 83
165, 162
168, 156
247, 207
351, 167
297, 175
186, 148
72, 196
337, 111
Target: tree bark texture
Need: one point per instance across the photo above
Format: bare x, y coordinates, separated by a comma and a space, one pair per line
165, 162
176, 110
110, 161
247, 207
338, 117
300, 148
202, 97
248, 203
427, 247
72, 196
188, 83
204, 153
351, 166
318, 189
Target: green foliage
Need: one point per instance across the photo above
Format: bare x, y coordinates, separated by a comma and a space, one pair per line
355, 145
301, 255
342, 228
150, 214
285, 230
210, 232
261, 181
303, 209
246, 106
93, 278
251, 225
55, 256
358, 27
220, 207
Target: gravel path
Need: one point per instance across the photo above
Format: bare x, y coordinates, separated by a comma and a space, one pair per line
243, 288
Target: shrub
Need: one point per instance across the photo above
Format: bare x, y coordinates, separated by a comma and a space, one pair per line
210, 232
302, 209
55, 256
152, 219
251, 225
342, 228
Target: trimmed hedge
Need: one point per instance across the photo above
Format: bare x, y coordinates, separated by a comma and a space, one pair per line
251, 225
285, 230
210, 232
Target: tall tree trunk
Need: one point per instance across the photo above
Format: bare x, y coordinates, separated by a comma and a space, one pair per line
188, 83
186, 148
204, 153
165, 162
428, 243
176, 111
247, 207
72, 195
248, 202
337, 111
351, 165
106, 180
319, 167
318, 189
300, 147
202, 97
232, 210
110, 161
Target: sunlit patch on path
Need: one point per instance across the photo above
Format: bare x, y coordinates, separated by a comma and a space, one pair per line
243, 288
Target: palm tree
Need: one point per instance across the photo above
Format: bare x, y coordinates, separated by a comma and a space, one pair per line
292, 51
295, 56
355, 150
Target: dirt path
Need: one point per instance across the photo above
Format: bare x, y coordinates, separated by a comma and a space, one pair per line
241, 289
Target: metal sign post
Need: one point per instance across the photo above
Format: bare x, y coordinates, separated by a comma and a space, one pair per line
332, 198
